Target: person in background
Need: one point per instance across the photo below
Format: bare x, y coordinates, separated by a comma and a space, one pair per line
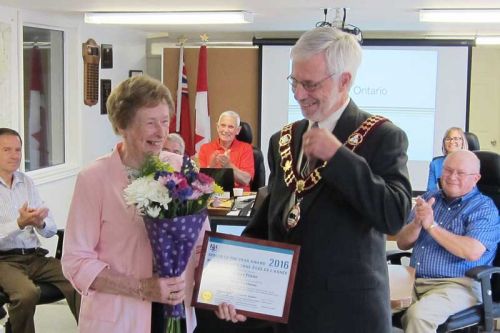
351, 190
453, 140
107, 255
450, 231
174, 143
228, 152
22, 260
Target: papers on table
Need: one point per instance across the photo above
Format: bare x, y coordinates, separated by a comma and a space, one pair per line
242, 205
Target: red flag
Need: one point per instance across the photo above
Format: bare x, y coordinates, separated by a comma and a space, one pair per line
185, 117
202, 134
37, 140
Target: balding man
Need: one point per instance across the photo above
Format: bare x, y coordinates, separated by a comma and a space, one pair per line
451, 231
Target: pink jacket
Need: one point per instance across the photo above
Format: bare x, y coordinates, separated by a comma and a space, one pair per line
102, 232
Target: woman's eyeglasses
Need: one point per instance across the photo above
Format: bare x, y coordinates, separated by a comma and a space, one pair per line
455, 139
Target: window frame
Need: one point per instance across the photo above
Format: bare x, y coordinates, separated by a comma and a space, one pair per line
71, 96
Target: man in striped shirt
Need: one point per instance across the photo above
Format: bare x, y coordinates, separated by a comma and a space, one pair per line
22, 260
450, 230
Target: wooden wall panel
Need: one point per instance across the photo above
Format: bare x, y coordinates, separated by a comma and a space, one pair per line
233, 75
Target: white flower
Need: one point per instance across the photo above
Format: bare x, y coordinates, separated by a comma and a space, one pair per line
153, 211
147, 194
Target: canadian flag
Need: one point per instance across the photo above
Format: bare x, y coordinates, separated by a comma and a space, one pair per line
202, 134
37, 140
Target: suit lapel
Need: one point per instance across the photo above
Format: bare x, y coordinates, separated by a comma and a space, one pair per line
347, 122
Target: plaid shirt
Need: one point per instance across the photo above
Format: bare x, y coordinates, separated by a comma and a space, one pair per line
473, 215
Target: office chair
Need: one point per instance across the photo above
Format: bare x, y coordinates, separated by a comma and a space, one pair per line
259, 178
472, 141
480, 315
49, 292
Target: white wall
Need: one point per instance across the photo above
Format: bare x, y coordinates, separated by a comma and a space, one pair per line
94, 134
129, 52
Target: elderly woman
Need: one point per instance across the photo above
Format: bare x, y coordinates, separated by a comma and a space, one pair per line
107, 255
454, 139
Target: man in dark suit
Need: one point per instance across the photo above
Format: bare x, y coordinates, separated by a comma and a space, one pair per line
358, 190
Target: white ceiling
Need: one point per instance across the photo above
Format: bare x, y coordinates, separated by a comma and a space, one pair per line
286, 18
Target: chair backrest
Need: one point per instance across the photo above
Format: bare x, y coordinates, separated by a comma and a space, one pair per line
495, 278
259, 178
489, 185
245, 134
472, 141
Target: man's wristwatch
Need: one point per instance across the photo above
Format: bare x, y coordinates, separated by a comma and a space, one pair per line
433, 225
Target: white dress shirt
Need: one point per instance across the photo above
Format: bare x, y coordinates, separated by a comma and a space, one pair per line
11, 199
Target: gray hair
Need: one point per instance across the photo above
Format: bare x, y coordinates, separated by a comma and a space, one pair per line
230, 113
465, 144
342, 51
177, 138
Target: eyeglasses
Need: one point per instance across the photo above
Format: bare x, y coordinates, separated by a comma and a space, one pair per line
460, 174
455, 139
307, 85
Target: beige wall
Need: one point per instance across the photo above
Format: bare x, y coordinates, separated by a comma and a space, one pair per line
484, 118
233, 76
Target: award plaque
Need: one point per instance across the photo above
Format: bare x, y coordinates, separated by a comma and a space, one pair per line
254, 275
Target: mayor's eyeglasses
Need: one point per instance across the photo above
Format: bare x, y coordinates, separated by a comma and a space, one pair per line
307, 85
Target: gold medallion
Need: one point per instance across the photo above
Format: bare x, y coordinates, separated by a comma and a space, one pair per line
288, 165
285, 140
355, 139
293, 216
300, 185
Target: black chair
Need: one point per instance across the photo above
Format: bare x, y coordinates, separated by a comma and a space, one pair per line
480, 316
472, 141
259, 178
49, 292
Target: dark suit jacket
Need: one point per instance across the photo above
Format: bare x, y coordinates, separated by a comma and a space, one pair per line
342, 280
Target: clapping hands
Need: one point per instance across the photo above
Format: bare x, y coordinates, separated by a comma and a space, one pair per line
32, 216
220, 160
424, 214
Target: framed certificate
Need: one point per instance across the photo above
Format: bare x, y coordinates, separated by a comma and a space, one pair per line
256, 276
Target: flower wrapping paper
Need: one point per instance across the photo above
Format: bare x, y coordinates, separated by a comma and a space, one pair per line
172, 241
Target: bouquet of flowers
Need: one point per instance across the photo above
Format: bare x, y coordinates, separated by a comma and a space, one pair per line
173, 204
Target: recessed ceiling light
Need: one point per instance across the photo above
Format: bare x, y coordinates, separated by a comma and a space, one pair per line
168, 18
460, 15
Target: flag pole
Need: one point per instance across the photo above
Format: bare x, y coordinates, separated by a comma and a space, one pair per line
181, 41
